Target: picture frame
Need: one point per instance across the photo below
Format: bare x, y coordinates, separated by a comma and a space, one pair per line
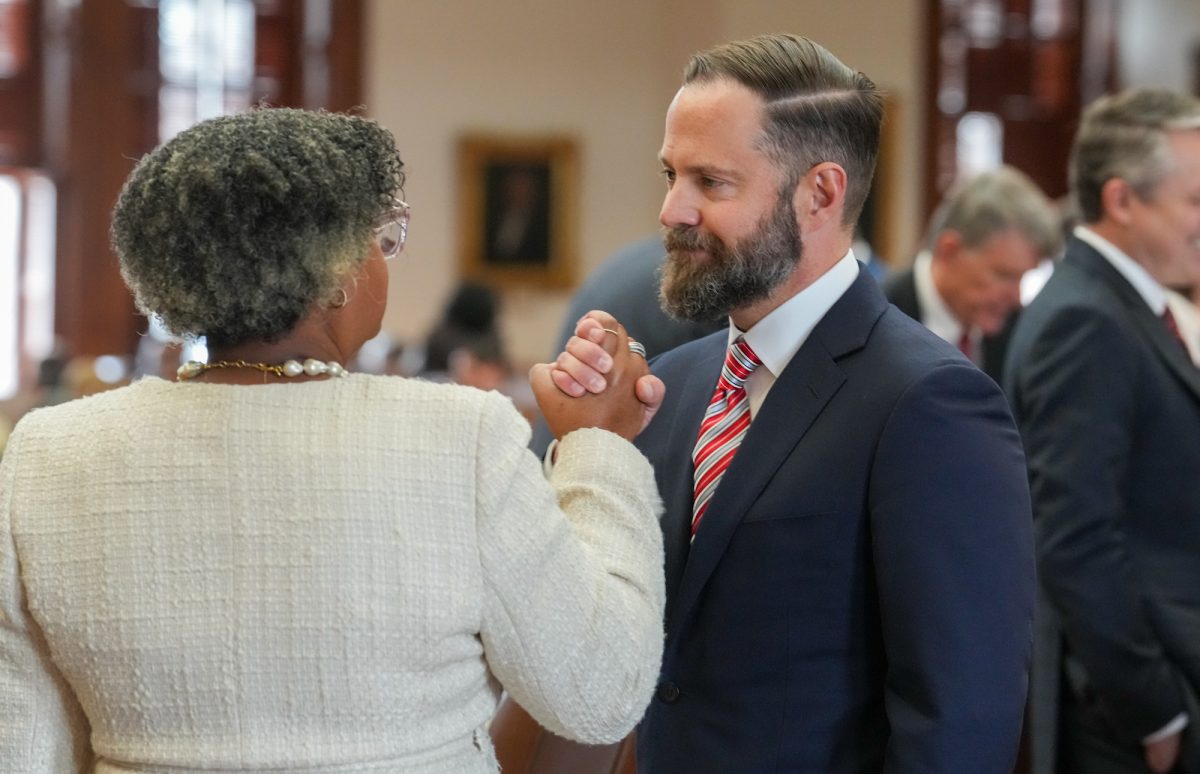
518, 204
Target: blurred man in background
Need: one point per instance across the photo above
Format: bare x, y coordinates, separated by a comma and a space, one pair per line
1108, 403
965, 286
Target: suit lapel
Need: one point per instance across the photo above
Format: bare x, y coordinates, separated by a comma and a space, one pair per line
1152, 328
1172, 352
795, 401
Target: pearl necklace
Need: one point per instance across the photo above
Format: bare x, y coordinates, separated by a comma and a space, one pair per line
290, 368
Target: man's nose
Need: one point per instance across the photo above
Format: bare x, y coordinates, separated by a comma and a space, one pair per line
678, 210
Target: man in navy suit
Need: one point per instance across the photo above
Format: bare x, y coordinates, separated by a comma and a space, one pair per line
965, 286
856, 592
1108, 404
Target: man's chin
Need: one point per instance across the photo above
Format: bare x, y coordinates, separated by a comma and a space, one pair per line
992, 325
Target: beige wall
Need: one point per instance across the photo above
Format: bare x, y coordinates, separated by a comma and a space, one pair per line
1157, 41
602, 72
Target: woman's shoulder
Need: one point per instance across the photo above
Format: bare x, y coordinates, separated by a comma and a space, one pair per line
444, 400
116, 401
434, 392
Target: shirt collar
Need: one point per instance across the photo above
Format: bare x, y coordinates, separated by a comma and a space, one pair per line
777, 337
935, 315
1146, 286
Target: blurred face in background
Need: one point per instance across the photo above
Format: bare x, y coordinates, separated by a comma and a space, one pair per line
1164, 226
981, 285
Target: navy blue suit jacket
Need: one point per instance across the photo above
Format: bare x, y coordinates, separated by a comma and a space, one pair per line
859, 595
901, 289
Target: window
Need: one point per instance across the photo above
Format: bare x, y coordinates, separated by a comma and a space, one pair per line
86, 88
980, 142
10, 216
26, 273
205, 61
1008, 78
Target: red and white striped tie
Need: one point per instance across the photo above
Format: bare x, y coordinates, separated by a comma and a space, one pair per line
724, 425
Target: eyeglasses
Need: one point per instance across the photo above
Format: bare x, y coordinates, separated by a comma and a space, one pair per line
391, 229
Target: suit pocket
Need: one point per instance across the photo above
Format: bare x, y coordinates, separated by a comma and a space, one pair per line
781, 514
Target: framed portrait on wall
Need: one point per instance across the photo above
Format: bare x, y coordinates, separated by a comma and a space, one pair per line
518, 203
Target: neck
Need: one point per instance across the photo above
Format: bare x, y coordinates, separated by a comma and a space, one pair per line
942, 282
811, 267
1116, 235
309, 339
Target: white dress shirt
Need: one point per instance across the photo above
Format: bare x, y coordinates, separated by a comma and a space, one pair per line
1146, 286
935, 315
777, 337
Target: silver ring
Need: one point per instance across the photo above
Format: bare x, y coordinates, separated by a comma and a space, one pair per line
636, 348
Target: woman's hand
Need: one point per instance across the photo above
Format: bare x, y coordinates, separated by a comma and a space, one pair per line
597, 382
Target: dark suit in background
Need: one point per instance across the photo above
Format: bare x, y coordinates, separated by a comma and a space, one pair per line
1109, 408
859, 595
1108, 404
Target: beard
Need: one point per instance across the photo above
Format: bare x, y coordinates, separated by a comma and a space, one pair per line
732, 277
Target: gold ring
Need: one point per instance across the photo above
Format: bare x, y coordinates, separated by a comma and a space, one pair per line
610, 330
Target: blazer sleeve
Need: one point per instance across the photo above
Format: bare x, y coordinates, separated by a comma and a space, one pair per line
953, 555
42, 727
1076, 395
573, 577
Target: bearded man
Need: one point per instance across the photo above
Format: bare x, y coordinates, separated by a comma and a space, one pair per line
847, 528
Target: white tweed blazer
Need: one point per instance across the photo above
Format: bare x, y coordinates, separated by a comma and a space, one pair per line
334, 576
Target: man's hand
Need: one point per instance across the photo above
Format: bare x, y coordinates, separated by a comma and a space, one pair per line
1161, 756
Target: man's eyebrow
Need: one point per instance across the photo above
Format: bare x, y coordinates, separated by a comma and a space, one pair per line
706, 170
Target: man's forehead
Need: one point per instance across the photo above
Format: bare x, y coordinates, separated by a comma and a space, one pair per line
717, 97
713, 116
1183, 158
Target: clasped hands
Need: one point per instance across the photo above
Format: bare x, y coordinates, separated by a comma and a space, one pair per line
597, 381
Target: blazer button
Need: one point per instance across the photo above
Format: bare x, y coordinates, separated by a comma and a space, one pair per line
668, 692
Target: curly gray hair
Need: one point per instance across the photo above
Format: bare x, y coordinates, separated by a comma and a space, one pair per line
238, 226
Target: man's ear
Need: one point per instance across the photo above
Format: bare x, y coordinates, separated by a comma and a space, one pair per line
820, 198
947, 246
1117, 199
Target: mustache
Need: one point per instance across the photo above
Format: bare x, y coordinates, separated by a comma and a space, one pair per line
686, 239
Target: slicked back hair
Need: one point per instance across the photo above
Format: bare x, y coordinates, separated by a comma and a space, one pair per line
1125, 136
817, 109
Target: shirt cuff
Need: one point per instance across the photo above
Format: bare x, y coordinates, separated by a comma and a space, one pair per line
1177, 724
